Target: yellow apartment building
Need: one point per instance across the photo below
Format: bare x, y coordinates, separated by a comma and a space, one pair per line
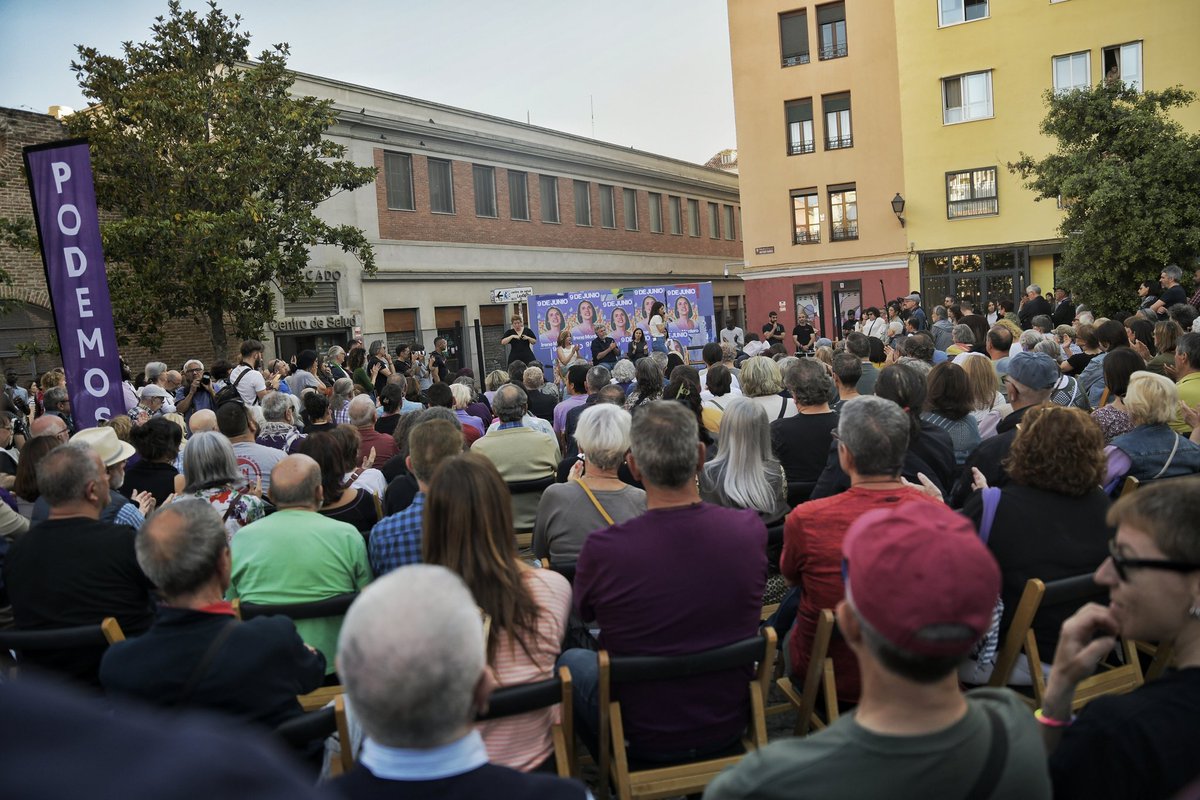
943, 95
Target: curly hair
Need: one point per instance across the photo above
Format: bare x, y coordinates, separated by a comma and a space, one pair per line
1073, 466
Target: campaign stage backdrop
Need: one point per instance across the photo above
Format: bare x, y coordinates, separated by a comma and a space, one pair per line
689, 316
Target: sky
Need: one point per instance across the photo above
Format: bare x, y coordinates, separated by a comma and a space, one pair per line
655, 73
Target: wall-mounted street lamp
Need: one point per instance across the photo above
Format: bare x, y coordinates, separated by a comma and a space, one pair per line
898, 208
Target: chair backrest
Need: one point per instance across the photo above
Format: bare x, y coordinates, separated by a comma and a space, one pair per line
1129, 486
1020, 638
534, 485
556, 691
300, 731
328, 607
820, 676
105, 633
678, 779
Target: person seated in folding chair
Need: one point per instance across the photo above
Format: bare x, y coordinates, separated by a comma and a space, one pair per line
196, 653
920, 590
684, 577
412, 655
1141, 744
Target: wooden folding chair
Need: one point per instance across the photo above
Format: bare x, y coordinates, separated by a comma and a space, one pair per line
82, 637
818, 680
692, 777
1129, 486
1020, 639
346, 762
1160, 654
526, 697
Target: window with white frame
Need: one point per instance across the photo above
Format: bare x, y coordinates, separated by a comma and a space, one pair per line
1123, 62
967, 97
799, 117
1073, 71
952, 12
837, 121
806, 216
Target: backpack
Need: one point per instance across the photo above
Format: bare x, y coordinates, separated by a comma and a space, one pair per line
230, 393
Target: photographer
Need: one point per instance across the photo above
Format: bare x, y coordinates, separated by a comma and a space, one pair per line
196, 393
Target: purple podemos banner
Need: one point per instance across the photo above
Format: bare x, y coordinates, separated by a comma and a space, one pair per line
64, 206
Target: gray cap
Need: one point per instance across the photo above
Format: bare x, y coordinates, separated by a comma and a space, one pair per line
916, 298
1035, 370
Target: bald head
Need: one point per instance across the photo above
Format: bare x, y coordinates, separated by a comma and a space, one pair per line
203, 420
362, 411
182, 548
296, 483
48, 425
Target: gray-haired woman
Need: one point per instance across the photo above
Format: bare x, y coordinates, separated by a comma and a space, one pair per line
210, 472
339, 404
595, 497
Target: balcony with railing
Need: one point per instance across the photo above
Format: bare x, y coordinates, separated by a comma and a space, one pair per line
844, 232
806, 236
832, 50
974, 207
794, 60
801, 147
839, 142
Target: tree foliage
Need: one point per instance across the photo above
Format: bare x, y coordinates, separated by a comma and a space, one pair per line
209, 173
1129, 177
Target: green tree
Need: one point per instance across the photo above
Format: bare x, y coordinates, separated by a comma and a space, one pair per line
1129, 177
210, 174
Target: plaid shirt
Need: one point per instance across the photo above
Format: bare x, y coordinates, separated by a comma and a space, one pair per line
1195, 301
396, 540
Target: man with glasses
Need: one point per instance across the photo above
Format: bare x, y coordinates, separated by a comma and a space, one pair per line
50, 425
1140, 744
196, 393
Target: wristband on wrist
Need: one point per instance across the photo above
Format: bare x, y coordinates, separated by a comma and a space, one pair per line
1050, 722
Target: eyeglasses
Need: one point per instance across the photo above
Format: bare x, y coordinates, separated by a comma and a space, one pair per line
1123, 564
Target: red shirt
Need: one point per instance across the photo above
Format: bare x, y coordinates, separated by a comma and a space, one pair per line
812, 557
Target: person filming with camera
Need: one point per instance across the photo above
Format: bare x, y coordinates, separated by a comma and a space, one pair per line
196, 393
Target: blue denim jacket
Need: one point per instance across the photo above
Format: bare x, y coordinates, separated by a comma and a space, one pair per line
1149, 448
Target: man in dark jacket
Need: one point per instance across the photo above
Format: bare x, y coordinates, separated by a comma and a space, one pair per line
197, 653
1064, 309
1034, 305
413, 659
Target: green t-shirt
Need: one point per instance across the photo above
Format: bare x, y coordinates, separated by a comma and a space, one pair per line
847, 760
298, 557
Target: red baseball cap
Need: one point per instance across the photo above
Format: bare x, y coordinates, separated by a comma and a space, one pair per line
919, 575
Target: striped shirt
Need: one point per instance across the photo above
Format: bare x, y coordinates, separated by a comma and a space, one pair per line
524, 741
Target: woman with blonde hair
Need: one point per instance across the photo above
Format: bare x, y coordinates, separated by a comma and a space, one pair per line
988, 405
762, 383
1152, 450
468, 529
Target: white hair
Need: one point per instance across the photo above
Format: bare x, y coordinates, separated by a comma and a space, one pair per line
602, 434
362, 411
410, 654
462, 395
745, 454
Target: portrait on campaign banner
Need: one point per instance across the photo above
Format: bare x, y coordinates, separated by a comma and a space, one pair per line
688, 316
64, 206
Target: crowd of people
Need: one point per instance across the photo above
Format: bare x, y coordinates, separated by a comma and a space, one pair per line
911, 476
